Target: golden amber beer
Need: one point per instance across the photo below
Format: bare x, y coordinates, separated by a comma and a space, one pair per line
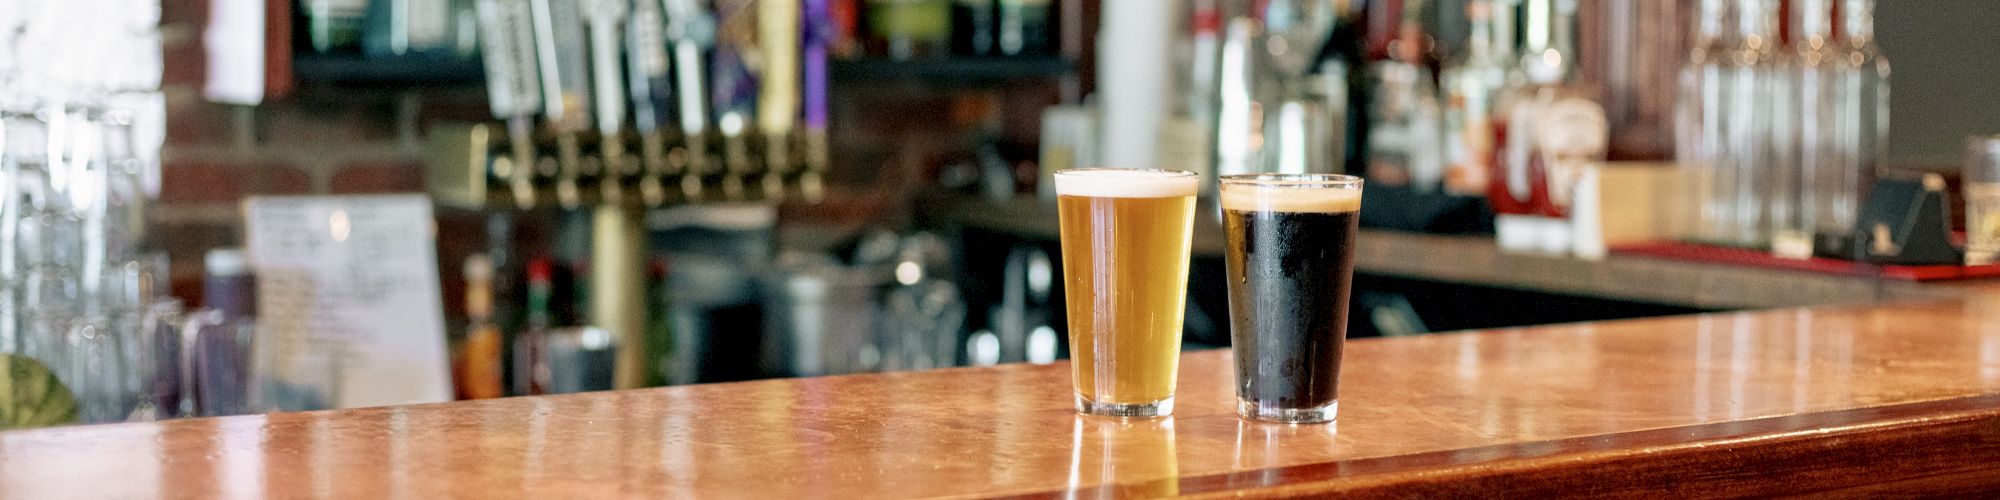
1125, 237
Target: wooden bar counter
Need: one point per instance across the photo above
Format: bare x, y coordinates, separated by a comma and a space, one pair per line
1882, 399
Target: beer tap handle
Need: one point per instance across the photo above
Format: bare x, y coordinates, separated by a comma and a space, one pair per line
778, 38
692, 31
817, 37
560, 54
569, 161
649, 81
735, 154
514, 90
603, 19
521, 178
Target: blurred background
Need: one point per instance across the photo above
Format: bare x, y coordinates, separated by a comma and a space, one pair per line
633, 193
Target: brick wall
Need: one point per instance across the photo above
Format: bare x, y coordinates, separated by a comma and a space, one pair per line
317, 140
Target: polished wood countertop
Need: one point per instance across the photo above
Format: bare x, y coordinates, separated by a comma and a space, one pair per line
1795, 400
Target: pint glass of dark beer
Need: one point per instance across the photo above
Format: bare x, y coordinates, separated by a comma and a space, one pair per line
1125, 242
1290, 257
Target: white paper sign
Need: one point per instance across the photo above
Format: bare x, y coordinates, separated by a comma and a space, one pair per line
353, 276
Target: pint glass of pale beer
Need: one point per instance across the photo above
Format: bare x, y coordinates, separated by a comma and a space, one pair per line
1125, 237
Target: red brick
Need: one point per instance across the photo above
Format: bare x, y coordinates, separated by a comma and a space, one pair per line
197, 183
192, 120
453, 106
281, 180
183, 11
318, 119
379, 177
184, 62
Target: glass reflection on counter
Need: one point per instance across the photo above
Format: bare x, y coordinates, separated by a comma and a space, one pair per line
1264, 448
1112, 458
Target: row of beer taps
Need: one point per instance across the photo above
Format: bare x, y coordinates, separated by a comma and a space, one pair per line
680, 100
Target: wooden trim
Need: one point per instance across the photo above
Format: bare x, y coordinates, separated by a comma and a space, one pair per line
1936, 447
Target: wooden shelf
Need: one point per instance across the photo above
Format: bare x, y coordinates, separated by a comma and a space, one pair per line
356, 70
961, 70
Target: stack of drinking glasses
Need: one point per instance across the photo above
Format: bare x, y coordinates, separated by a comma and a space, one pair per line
81, 120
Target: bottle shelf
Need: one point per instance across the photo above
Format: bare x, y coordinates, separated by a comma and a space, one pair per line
357, 70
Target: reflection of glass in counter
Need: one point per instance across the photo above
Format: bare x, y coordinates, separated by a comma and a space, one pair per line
1123, 458
1982, 200
1125, 237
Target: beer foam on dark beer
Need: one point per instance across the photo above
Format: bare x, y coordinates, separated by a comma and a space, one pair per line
1254, 198
1124, 183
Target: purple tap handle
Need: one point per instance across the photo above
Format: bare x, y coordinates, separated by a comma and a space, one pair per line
817, 19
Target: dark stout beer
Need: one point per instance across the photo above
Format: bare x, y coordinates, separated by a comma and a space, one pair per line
1290, 264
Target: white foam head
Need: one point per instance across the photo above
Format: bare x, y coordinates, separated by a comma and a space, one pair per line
1126, 183
1280, 197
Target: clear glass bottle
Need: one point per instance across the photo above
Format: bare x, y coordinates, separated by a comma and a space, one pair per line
1862, 96
1785, 232
1822, 164
1554, 129
1633, 50
1698, 138
1472, 84
1405, 133
1743, 175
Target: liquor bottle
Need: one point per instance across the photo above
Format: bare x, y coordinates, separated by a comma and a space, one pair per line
222, 335
1862, 96
1698, 146
1744, 129
1024, 27
665, 368
1340, 67
1786, 232
972, 24
479, 360
1815, 150
908, 29
330, 26
1554, 130
1405, 134
844, 28
398, 28
530, 369
1472, 83
1633, 51
1304, 116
